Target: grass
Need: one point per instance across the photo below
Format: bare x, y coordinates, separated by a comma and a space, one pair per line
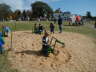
83, 30
28, 25
24, 25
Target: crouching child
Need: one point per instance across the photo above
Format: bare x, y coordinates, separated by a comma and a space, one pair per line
5, 31
46, 48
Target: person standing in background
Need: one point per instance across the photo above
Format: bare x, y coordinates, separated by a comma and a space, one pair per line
60, 24
52, 27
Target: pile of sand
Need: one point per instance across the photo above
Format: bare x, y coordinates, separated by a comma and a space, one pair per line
79, 54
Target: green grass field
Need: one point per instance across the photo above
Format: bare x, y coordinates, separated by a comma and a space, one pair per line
25, 25
28, 25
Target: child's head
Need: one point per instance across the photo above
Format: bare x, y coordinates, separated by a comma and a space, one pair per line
46, 34
51, 23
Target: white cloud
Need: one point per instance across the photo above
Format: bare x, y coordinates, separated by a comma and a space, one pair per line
22, 4
15, 4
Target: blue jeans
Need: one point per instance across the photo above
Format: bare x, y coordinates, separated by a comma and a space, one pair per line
60, 28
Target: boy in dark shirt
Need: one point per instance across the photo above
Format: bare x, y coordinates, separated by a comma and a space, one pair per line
52, 27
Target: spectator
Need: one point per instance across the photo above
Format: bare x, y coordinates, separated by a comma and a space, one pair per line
60, 24
52, 27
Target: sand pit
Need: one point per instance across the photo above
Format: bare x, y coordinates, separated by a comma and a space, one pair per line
78, 55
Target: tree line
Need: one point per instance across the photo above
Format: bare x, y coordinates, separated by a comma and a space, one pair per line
38, 9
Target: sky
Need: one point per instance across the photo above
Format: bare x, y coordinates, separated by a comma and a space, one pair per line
74, 6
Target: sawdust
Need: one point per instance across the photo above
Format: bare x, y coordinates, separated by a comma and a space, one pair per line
78, 55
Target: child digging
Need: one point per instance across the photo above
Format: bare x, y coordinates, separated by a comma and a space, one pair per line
46, 48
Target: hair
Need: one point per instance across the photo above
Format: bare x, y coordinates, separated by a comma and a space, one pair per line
51, 23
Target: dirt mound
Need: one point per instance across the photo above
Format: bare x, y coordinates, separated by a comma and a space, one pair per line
77, 56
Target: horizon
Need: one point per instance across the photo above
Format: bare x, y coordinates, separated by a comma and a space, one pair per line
74, 6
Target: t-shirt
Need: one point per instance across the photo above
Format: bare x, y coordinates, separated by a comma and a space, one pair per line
45, 40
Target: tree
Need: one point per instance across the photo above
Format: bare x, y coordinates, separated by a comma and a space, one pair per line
17, 14
29, 14
5, 11
58, 11
41, 9
88, 14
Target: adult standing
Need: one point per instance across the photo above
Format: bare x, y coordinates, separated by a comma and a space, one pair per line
60, 24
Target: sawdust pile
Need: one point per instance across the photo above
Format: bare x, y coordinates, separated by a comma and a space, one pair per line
79, 54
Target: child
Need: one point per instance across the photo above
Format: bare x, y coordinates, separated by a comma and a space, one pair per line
52, 27
46, 48
1, 44
40, 28
45, 41
6, 30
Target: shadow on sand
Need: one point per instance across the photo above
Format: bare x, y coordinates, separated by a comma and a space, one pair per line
30, 52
